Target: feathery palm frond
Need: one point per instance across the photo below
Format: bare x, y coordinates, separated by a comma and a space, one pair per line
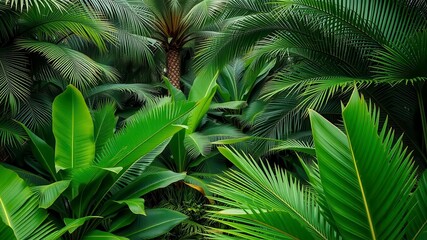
15, 80
28, 4
266, 202
74, 66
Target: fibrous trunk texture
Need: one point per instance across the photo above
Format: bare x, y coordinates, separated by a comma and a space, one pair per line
174, 67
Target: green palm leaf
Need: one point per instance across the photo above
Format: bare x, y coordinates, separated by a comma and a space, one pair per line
368, 199
15, 81
262, 199
57, 26
76, 67
27, 4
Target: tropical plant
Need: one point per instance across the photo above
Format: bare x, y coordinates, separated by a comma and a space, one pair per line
167, 26
94, 176
363, 186
36, 59
330, 46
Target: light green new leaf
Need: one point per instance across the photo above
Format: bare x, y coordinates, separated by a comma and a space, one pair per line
200, 110
366, 178
73, 130
49, 193
157, 222
136, 205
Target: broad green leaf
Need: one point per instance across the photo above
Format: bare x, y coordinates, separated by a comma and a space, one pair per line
19, 209
136, 205
121, 221
133, 149
197, 184
149, 182
43, 152
177, 147
232, 105
203, 84
199, 111
176, 94
49, 193
6, 232
100, 235
157, 222
72, 224
73, 130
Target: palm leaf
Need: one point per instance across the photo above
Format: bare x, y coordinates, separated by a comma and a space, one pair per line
353, 193
15, 81
11, 134
142, 92
27, 4
57, 26
262, 199
76, 67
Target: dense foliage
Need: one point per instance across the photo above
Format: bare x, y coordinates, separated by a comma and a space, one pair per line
222, 119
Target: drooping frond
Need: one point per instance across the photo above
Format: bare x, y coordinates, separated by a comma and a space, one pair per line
22, 5
56, 26
15, 81
76, 67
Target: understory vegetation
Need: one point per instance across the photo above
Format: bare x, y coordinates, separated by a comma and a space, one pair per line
213, 119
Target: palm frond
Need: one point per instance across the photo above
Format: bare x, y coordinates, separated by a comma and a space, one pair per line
132, 16
136, 48
76, 67
265, 202
36, 113
57, 26
15, 81
11, 134
390, 175
22, 5
141, 92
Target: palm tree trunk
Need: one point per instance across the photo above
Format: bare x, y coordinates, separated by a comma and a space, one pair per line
174, 67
